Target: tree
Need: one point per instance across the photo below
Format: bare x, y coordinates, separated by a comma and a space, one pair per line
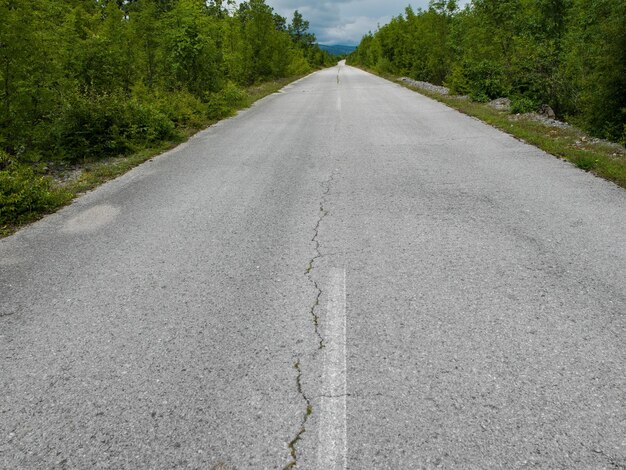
566, 53
88, 78
298, 29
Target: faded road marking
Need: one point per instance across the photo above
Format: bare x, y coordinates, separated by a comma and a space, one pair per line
333, 441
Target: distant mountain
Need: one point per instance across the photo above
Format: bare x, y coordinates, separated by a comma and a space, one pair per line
337, 49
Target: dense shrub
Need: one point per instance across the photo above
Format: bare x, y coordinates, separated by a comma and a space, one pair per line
93, 79
224, 103
106, 125
90, 79
568, 54
299, 65
24, 193
482, 81
522, 104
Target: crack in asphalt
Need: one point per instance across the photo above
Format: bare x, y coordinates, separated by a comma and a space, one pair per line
318, 254
316, 323
309, 411
315, 316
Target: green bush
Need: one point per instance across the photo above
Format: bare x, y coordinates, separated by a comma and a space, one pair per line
482, 81
109, 125
225, 102
457, 81
385, 66
522, 104
182, 108
233, 95
298, 65
479, 96
24, 194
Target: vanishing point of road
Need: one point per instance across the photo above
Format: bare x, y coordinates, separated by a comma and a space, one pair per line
346, 275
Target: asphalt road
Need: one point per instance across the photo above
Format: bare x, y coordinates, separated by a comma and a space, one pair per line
346, 275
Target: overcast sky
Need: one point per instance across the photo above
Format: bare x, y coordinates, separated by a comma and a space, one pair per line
345, 21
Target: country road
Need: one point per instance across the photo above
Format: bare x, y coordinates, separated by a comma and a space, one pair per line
346, 275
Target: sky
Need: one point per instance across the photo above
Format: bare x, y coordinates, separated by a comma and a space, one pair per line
345, 21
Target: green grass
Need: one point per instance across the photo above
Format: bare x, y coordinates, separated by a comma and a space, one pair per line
604, 159
27, 194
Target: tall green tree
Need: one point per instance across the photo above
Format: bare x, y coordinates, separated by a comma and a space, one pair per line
595, 65
88, 78
565, 53
299, 31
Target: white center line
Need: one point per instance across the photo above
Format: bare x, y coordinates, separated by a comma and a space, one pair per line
333, 441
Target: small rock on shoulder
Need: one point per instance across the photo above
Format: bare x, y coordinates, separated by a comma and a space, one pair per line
501, 104
442, 90
547, 111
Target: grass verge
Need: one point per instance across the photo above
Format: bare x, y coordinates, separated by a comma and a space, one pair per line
604, 159
29, 193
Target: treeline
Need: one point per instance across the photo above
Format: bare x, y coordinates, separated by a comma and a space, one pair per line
81, 80
569, 54
93, 78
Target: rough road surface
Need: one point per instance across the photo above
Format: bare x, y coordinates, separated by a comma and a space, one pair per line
346, 275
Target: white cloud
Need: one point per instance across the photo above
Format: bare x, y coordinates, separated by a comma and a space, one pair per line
345, 21
351, 31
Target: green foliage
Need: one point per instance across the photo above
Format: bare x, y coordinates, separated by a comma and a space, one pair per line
298, 29
109, 125
523, 104
595, 64
223, 103
191, 53
84, 80
298, 65
100, 78
181, 107
482, 81
23, 193
586, 163
568, 54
